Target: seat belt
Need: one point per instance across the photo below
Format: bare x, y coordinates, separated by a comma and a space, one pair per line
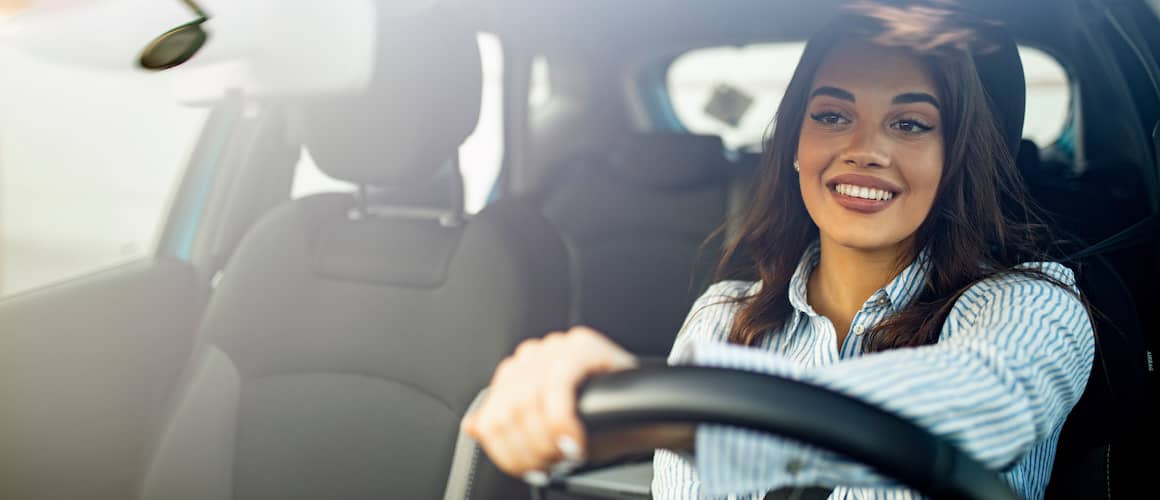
1126, 238
463, 461
1135, 233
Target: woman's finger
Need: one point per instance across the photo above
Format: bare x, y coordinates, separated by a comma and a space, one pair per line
560, 413
510, 423
528, 422
536, 437
517, 449
502, 452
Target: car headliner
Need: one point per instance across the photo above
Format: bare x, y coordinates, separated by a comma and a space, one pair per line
668, 25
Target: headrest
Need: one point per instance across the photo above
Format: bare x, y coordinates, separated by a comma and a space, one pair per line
1027, 158
669, 161
1001, 72
421, 104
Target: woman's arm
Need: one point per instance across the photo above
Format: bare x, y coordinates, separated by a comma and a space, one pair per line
527, 424
1012, 361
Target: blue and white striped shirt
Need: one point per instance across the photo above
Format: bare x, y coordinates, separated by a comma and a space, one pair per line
1011, 361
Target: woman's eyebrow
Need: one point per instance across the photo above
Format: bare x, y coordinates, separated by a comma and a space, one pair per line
834, 92
913, 97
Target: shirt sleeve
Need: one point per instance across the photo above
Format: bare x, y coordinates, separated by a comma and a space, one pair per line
1012, 361
709, 320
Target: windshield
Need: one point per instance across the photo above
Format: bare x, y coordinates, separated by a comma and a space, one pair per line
93, 148
89, 157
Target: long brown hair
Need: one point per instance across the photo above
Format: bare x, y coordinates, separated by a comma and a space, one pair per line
982, 223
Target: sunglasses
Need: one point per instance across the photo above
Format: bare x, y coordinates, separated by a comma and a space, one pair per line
176, 45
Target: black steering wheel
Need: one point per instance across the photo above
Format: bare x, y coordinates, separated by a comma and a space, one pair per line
890, 444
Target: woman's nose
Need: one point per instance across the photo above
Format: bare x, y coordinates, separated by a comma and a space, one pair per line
865, 151
865, 159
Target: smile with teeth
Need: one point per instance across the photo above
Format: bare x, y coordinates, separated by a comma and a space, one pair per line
863, 192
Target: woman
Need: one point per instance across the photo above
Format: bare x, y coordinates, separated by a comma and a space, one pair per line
900, 264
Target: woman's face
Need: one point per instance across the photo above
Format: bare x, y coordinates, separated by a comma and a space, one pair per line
871, 148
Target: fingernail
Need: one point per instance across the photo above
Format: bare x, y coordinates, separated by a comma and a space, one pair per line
536, 478
569, 449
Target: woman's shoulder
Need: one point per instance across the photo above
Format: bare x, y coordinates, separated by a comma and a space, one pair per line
721, 300
1042, 285
1030, 274
729, 291
712, 315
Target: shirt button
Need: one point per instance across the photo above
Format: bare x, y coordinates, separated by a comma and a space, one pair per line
795, 466
884, 301
859, 330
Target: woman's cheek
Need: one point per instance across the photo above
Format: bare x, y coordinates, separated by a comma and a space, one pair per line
926, 186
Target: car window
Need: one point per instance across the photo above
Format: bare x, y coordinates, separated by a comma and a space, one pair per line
733, 92
89, 158
1048, 96
480, 156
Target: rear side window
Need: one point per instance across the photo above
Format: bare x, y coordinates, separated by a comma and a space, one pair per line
733, 92
1048, 96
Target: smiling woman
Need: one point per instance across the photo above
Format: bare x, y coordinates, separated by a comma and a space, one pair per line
883, 121
900, 264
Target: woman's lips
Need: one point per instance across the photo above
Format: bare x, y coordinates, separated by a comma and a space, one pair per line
861, 205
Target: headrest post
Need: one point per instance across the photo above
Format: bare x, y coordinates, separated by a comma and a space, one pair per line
456, 211
362, 198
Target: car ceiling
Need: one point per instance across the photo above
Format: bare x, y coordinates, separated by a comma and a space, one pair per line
603, 26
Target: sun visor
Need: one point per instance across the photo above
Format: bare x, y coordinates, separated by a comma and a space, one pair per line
105, 34
263, 48
281, 48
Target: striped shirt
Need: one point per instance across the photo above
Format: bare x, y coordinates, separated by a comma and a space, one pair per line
1011, 361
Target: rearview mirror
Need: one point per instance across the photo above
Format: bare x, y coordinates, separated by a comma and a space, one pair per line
176, 45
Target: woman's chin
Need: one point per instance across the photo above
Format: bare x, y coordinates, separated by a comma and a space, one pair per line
866, 241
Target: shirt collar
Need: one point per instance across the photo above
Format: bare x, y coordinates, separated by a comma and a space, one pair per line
905, 287
801, 276
901, 290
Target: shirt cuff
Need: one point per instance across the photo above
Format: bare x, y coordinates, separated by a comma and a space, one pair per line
730, 460
734, 461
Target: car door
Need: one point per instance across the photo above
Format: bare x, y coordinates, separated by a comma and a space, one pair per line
105, 182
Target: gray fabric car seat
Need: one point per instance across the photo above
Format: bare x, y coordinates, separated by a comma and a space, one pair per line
635, 218
347, 338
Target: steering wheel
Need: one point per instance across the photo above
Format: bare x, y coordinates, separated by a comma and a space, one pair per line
888, 443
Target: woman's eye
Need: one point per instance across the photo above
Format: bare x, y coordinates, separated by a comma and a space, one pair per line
830, 118
912, 126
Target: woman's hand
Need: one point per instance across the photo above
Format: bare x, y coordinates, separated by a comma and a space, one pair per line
528, 422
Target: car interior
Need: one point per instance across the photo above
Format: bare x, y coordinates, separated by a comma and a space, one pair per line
328, 346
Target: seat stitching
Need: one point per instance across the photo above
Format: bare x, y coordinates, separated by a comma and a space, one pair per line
471, 472
354, 373
1108, 470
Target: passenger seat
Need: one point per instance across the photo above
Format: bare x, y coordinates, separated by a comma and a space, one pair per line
348, 338
635, 220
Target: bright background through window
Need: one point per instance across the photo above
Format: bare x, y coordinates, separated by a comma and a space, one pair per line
763, 72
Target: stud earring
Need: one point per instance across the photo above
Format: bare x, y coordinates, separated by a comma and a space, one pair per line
796, 167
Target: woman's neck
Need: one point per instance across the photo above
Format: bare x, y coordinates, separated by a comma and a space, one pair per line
845, 278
